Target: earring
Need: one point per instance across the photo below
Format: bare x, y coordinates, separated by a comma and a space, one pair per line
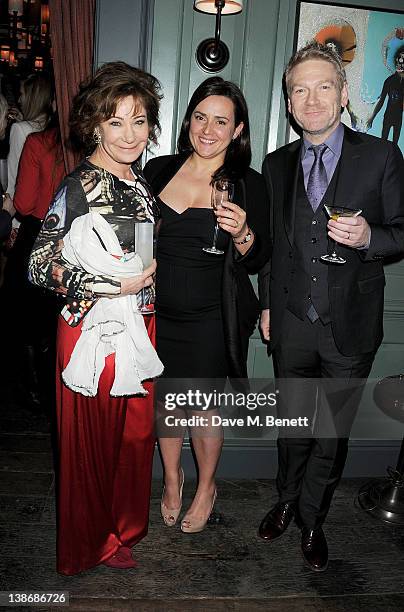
96, 137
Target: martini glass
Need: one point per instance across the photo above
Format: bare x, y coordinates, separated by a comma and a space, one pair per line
222, 192
334, 212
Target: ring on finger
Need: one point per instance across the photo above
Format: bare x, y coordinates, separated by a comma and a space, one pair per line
349, 236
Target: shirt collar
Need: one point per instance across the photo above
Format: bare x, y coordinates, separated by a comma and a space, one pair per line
333, 142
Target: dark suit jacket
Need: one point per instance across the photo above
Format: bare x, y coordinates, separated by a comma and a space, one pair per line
240, 306
371, 177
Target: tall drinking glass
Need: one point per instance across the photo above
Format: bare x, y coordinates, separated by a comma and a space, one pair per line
222, 192
144, 247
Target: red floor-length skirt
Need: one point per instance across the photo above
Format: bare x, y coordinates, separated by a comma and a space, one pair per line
106, 447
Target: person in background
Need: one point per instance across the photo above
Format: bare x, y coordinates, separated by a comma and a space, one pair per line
7, 210
36, 101
85, 252
6, 214
41, 170
4, 108
206, 306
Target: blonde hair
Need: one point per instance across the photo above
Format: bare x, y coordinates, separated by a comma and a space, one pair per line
38, 97
3, 115
315, 50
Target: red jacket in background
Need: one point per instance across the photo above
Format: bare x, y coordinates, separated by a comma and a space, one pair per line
40, 172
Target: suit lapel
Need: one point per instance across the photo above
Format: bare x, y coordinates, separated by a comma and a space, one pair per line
291, 175
348, 167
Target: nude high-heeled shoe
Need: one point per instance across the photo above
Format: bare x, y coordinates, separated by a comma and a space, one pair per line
170, 515
196, 525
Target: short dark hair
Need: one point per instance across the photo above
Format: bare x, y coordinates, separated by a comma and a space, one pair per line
99, 96
315, 50
238, 154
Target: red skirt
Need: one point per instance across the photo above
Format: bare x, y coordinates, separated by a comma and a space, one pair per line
106, 447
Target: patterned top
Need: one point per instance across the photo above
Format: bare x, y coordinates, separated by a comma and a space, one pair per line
89, 188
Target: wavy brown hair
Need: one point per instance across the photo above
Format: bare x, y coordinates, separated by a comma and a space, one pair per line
99, 96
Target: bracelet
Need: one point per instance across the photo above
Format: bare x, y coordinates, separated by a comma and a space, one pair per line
246, 238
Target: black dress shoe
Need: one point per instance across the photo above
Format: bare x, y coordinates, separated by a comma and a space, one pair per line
315, 549
276, 521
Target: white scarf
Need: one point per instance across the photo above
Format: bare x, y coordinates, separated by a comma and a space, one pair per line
113, 325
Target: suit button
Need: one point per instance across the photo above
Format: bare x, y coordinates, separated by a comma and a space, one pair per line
314, 240
314, 259
286, 290
290, 254
314, 279
314, 222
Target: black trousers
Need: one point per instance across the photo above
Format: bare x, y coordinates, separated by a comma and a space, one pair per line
315, 381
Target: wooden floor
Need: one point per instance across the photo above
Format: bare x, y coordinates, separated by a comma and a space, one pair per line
227, 567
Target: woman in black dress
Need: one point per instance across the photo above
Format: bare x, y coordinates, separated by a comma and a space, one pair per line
206, 307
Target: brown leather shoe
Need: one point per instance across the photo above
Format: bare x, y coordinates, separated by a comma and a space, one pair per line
276, 521
315, 549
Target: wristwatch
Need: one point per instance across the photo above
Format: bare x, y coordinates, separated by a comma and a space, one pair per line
246, 238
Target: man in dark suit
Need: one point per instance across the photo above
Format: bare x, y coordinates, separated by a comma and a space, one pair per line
324, 321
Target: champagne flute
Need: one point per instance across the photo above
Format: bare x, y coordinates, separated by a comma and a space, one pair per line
144, 246
334, 212
222, 192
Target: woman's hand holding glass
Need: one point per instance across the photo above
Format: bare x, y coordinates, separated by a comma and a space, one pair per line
232, 219
134, 284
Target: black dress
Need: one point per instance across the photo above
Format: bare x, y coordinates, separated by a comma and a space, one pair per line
212, 307
190, 339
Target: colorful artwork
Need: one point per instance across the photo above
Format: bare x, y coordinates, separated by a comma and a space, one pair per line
371, 46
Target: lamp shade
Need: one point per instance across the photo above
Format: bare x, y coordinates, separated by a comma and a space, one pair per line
209, 6
15, 6
44, 14
5, 53
38, 64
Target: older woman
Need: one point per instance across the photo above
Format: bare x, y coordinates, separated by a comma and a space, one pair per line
104, 409
206, 307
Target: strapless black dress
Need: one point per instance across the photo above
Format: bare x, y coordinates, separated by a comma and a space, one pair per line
190, 339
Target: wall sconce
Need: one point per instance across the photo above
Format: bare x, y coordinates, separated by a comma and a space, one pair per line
213, 54
38, 63
44, 18
5, 53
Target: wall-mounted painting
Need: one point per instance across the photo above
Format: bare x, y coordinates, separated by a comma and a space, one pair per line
371, 45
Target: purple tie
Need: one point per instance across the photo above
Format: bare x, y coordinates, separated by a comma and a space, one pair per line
318, 182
